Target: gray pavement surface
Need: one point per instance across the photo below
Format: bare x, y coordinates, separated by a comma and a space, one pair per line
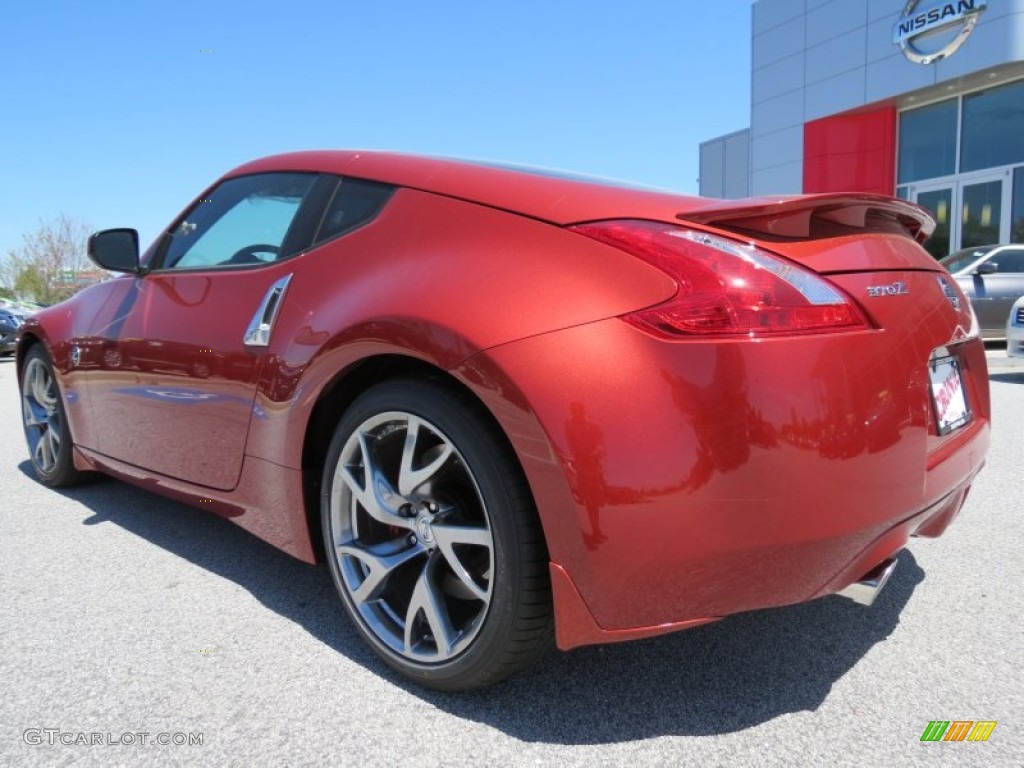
995, 354
122, 613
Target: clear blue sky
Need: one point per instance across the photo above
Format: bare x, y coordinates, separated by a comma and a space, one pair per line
119, 113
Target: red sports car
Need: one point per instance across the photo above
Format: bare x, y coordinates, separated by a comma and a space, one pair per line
510, 406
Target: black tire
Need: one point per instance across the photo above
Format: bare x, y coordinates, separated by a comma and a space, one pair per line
45, 422
442, 567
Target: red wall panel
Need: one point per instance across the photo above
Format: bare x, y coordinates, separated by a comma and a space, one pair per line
851, 153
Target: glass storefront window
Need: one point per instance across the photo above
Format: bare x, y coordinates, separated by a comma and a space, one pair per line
1017, 218
993, 128
942, 148
980, 214
938, 203
928, 142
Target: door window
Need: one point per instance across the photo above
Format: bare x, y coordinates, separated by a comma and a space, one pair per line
242, 221
981, 214
1009, 262
938, 202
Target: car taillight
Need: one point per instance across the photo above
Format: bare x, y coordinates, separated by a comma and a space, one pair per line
725, 287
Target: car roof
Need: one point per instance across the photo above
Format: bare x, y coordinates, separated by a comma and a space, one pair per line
983, 250
564, 198
544, 194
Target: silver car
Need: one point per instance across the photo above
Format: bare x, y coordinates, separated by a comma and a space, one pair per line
992, 277
1015, 329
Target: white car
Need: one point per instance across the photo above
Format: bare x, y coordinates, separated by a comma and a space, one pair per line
1015, 329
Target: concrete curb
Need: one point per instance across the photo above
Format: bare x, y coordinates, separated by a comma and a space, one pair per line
997, 358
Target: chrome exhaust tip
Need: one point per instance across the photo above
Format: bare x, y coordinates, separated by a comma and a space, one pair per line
866, 590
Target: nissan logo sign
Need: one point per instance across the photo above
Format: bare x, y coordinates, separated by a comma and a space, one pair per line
918, 24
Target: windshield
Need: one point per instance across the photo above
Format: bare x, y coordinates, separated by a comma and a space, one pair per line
963, 259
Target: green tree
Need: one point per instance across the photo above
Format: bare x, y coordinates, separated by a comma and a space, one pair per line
31, 282
48, 265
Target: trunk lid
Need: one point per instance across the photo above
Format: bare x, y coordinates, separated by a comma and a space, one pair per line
868, 245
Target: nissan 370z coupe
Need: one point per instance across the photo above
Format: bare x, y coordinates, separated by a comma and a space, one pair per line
510, 407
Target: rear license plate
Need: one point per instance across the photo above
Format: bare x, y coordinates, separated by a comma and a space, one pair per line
951, 410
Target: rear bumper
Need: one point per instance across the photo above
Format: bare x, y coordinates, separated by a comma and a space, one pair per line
860, 580
680, 483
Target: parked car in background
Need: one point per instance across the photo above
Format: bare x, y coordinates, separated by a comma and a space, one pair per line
1015, 329
511, 408
10, 322
992, 277
8, 338
12, 316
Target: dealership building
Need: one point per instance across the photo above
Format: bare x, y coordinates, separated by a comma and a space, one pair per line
923, 100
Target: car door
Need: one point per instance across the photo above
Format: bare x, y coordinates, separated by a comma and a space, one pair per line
993, 294
172, 383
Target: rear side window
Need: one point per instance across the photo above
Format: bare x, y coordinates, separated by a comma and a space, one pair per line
1010, 261
355, 203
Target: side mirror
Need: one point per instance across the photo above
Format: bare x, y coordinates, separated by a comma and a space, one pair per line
987, 268
116, 250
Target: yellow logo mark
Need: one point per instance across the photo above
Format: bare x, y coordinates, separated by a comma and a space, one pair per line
982, 730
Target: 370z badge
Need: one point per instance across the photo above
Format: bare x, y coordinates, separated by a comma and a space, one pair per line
898, 288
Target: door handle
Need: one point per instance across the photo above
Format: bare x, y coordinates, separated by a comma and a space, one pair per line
262, 323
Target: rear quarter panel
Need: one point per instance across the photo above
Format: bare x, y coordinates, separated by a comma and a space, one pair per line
436, 279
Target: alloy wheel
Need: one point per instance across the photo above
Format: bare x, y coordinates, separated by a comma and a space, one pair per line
411, 538
43, 417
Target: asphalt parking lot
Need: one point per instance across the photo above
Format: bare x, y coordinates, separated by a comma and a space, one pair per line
122, 614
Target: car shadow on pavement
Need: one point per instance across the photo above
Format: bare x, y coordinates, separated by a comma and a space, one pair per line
1017, 377
715, 679
719, 678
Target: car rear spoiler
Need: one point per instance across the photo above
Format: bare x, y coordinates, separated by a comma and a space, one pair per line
820, 215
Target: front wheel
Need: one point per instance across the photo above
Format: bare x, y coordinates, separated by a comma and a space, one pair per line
46, 423
432, 538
